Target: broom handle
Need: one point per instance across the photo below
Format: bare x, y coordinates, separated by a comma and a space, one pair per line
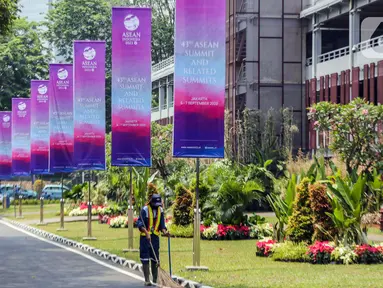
170, 258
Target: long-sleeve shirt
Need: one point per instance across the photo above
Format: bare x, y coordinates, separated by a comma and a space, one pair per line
143, 220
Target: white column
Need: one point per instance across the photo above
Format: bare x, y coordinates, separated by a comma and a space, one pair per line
354, 38
316, 46
161, 98
169, 94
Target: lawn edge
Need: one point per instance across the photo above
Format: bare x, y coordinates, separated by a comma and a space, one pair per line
126, 263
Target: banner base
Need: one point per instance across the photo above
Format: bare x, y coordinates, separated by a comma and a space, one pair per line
131, 250
61, 229
89, 238
197, 268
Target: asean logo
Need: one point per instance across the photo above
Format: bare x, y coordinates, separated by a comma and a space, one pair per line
6, 118
62, 74
42, 89
131, 22
22, 106
89, 53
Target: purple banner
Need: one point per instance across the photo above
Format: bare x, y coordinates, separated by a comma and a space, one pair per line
131, 87
61, 118
5, 145
40, 127
21, 136
89, 105
199, 79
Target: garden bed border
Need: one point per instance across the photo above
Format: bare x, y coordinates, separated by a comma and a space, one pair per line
130, 264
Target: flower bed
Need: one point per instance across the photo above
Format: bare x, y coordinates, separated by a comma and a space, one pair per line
120, 222
326, 253
82, 210
235, 232
264, 248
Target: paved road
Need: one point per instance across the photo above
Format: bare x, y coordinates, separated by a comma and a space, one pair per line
31, 263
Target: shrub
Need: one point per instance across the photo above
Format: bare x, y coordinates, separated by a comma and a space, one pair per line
183, 208
300, 227
290, 252
320, 252
344, 255
181, 231
324, 229
261, 231
368, 254
152, 189
264, 248
38, 186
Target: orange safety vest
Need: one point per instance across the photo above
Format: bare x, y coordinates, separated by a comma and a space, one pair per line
153, 229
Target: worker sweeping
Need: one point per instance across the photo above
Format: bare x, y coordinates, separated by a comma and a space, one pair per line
151, 223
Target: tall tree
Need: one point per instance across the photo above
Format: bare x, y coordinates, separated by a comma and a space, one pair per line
22, 57
8, 14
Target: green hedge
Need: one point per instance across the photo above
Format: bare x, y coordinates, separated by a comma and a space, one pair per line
181, 231
35, 202
290, 252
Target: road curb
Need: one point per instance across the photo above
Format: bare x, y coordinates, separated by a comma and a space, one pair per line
130, 264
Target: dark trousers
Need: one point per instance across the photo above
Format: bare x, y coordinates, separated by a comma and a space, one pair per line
146, 252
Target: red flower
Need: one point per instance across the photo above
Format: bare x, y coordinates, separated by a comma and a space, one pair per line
264, 247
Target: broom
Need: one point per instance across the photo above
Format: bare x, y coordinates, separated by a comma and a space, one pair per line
164, 279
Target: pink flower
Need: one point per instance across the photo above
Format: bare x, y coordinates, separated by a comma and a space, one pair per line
365, 112
313, 110
316, 123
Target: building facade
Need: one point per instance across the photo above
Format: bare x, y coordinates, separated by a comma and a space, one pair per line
344, 53
265, 58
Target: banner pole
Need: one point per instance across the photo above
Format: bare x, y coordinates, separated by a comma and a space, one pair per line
62, 205
89, 218
14, 199
41, 212
130, 215
20, 207
197, 233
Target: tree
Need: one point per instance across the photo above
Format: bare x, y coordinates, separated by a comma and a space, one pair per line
355, 131
300, 227
22, 57
161, 147
8, 14
70, 20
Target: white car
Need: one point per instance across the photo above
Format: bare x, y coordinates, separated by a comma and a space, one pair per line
51, 192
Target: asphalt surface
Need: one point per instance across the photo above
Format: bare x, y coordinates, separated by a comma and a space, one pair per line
29, 262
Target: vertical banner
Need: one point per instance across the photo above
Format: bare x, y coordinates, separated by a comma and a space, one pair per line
61, 118
21, 136
39, 127
199, 79
5, 145
89, 105
131, 87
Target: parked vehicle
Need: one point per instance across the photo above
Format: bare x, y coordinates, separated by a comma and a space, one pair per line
51, 192
16, 191
6, 190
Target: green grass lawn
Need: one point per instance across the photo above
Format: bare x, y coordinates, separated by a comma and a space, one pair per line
232, 263
31, 212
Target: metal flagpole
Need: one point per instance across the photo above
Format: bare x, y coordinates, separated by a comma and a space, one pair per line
197, 233
89, 237
130, 216
62, 205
